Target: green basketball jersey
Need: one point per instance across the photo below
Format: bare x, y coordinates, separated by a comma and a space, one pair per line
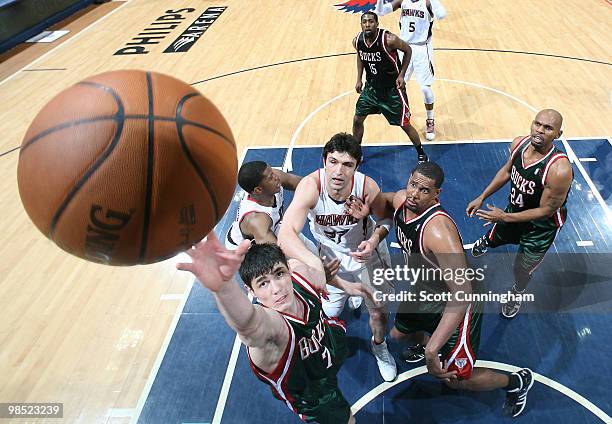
527, 183
316, 349
382, 65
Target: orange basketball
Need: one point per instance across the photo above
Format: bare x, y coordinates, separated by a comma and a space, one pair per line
127, 167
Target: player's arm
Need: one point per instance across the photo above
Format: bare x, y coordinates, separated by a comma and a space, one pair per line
500, 179
288, 181
394, 42
383, 8
442, 239
359, 83
366, 248
258, 226
305, 198
556, 186
436, 8
214, 267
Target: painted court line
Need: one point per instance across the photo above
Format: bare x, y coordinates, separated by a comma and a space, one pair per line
588, 159
164, 348
584, 243
381, 388
172, 296
288, 163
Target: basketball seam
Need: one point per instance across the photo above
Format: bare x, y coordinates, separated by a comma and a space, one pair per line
150, 156
84, 121
119, 119
179, 129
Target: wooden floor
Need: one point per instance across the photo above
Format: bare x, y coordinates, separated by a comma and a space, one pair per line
89, 335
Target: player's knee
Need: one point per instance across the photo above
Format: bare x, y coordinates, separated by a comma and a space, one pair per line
428, 94
358, 120
455, 384
377, 314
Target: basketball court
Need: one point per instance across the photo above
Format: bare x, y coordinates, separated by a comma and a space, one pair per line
144, 344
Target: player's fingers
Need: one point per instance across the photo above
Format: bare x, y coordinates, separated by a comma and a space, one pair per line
185, 266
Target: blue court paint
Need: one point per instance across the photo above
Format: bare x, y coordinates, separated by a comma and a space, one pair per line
571, 346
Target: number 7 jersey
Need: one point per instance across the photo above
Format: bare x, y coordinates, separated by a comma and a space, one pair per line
329, 223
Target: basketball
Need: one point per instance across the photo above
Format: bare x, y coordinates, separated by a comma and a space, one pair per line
127, 167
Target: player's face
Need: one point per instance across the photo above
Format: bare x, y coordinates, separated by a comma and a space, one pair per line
270, 182
545, 128
369, 26
421, 193
339, 170
274, 289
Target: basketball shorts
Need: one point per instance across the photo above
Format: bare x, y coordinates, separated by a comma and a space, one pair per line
459, 352
421, 64
356, 272
327, 404
391, 102
534, 240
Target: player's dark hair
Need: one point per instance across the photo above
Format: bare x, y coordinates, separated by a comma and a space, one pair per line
260, 260
369, 12
343, 143
430, 170
251, 174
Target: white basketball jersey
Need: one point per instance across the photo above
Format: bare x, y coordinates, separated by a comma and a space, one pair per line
415, 22
331, 226
247, 206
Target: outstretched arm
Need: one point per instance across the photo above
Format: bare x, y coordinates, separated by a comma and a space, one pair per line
214, 267
501, 178
304, 199
436, 8
288, 181
556, 186
383, 8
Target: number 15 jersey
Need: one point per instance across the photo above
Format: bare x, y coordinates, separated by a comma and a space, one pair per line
329, 223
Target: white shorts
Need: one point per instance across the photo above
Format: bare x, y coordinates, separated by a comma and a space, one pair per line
355, 272
421, 63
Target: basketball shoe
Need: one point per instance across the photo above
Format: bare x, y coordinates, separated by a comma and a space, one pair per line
516, 399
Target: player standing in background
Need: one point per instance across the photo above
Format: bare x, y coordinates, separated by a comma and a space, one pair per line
385, 87
416, 27
541, 176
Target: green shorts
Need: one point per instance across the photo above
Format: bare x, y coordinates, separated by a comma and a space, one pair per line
455, 350
391, 102
534, 239
328, 406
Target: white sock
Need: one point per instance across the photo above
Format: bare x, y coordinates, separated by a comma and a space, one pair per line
429, 114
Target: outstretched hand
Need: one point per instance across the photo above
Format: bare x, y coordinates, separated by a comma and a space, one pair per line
212, 264
364, 251
473, 206
492, 215
357, 207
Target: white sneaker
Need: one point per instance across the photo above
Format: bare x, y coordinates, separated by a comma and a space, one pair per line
354, 302
430, 129
386, 362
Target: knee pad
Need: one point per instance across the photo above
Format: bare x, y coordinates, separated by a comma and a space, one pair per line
428, 94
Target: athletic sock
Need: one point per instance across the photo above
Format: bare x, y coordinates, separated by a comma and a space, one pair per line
514, 383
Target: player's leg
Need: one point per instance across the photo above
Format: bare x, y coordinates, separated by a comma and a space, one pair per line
459, 354
396, 110
533, 245
424, 72
379, 315
366, 105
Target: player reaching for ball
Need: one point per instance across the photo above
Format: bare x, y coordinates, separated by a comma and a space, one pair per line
292, 346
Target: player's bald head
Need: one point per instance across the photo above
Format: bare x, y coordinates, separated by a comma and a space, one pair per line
550, 116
